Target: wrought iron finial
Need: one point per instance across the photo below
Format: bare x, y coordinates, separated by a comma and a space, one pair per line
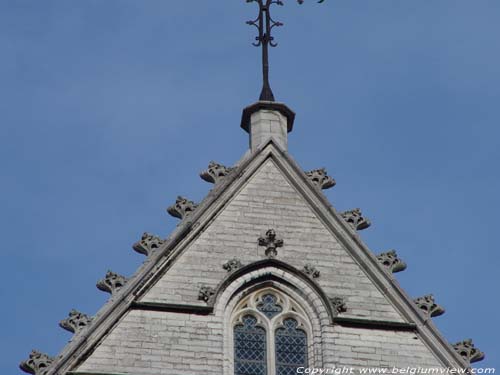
265, 24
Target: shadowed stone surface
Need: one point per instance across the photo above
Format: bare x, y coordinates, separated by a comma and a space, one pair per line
311, 271
232, 265
215, 172
75, 322
355, 219
320, 179
428, 306
112, 282
468, 351
37, 363
148, 244
391, 261
206, 293
182, 208
271, 242
338, 304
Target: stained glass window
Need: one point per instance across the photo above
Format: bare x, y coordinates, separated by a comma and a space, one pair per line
269, 306
291, 348
249, 348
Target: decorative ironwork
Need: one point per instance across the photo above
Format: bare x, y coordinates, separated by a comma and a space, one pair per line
148, 244
112, 282
215, 172
320, 179
182, 208
269, 306
338, 304
75, 322
249, 348
468, 352
291, 348
355, 219
391, 261
206, 293
428, 306
311, 271
271, 242
37, 363
265, 24
232, 265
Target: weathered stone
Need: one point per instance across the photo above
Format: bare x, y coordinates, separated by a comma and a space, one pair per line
37, 363
391, 261
232, 265
355, 219
428, 306
271, 242
468, 352
206, 293
182, 208
112, 282
75, 322
338, 304
215, 172
311, 271
320, 178
148, 244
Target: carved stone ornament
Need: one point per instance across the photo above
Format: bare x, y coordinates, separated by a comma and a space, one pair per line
206, 293
215, 172
311, 271
338, 304
355, 219
37, 364
111, 283
271, 242
75, 322
148, 244
468, 352
428, 306
232, 265
182, 208
320, 178
391, 261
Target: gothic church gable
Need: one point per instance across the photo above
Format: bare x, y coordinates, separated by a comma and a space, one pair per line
177, 316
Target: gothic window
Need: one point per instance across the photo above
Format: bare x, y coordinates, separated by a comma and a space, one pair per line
291, 348
268, 305
250, 347
270, 335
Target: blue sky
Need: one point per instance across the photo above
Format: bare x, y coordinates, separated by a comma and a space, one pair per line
110, 109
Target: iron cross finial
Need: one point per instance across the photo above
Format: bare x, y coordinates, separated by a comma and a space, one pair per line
264, 24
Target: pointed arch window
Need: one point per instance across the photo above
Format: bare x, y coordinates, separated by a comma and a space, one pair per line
270, 333
250, 347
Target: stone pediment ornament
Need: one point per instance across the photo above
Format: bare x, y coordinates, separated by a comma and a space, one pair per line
215, 172
148, 244
320, 179
391, 261
206, 293
311, 271
428, 306
232, 265
37, 363
75, 322
468, 352
182, 208
271, 242
355, 219
112, 282
338, 304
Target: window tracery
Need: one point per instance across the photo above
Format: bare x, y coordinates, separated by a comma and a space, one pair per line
271, 334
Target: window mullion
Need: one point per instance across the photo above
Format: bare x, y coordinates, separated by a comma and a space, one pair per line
271, 351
